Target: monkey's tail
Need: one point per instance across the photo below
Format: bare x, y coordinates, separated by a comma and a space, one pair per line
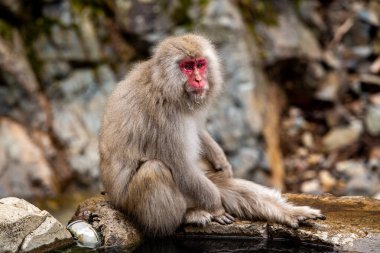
247, 200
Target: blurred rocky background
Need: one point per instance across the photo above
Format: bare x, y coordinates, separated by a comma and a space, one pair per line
300, 110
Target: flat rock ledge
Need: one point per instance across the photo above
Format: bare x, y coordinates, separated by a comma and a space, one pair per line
352, 224
25, 228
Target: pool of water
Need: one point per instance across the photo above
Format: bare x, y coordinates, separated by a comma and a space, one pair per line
212, 245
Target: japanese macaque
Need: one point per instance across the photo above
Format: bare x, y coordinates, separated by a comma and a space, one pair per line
153, 137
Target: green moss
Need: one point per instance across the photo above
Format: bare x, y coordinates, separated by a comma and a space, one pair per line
96, 7
37, 26
179, 15
258, 11
5, 30
203, 3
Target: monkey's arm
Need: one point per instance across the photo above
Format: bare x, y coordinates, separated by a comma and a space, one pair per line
214, 154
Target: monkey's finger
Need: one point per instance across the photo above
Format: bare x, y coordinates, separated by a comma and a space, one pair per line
302, 218
227, 220
230, 216
219, 220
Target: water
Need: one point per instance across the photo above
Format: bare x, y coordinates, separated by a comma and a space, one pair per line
212, 245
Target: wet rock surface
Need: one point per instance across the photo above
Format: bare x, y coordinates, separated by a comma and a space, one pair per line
352, 224
25, 228
112, 225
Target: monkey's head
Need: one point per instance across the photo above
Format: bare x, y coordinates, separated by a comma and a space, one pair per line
189, 70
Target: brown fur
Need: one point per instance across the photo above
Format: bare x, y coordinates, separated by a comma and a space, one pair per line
151, 140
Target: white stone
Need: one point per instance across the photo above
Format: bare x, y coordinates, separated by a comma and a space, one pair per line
25, 228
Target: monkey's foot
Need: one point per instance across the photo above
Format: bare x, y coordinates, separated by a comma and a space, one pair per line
297, 214
197, 217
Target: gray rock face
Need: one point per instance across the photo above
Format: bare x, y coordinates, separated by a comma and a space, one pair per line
25, 228
145, 17
78, 104
323, 56
288, 38
23, 165
352, 224
234, 121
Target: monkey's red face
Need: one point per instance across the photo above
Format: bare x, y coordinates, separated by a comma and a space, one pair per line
195, 70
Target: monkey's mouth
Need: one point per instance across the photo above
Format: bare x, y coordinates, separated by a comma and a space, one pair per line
198, 91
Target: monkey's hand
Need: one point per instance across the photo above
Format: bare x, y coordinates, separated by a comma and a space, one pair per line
215, 155
222, 217
223, 166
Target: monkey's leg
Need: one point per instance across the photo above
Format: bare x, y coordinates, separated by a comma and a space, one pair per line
154, 200
247, 200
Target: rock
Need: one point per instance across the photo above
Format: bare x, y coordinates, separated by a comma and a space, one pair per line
352, 224
59, 11
114, 228
245, 161
308, 140
329, 87
295, 122
84, 233
331, 59
362, 51
88, 34
369, 16
288, 38
67, 43
26, 228
373, 162
342, 136
309, 11
77, 106
13, 6
327, 180
146, 18
312, 187
235, 119
375, 66
375, 99
44, 48
24, 171
372, 120
361, 180
370, 82
54, 69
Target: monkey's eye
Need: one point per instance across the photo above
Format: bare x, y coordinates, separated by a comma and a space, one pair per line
201, 63
187, 65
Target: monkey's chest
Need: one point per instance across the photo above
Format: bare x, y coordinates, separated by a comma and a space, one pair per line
191, 142
170, 141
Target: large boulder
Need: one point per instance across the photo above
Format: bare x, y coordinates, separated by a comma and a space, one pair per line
25, 228
352, 224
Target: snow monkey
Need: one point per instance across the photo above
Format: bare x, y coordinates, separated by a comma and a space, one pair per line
153, 136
